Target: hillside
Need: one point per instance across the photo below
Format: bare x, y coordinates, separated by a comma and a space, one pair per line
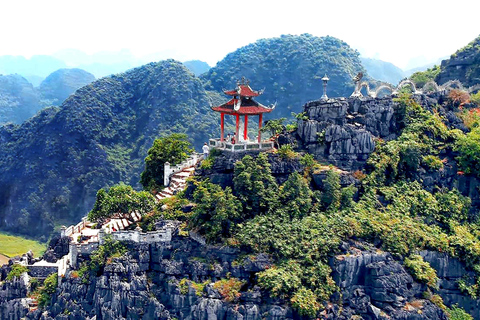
463, 65
289, 68
383, 71
197, 67
62, 83
18, 99
54, 163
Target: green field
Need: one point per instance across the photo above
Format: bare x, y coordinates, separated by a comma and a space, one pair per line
11, 246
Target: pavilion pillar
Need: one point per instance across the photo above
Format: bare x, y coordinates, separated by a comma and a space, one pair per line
222, 122
245, 130
237, 125
260, 119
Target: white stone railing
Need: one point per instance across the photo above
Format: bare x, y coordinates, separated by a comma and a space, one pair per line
74, 228
170, 170
240, 146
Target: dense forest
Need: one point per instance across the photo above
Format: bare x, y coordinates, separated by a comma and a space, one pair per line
289, 68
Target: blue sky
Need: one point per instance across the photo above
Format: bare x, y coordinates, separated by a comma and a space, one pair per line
208, 30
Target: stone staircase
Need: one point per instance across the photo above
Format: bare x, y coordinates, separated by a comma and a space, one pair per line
178, 182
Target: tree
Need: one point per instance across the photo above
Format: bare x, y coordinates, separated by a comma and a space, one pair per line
120, 200
332, 194
254, 184
296, 196
275, 127
469, 152
217, 210
173, 149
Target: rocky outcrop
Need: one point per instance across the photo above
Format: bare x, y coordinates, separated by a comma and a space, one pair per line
13, 303
464, 65
375, 286
343, 131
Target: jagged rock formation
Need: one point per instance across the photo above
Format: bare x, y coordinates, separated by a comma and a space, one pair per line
343, 131
463, 65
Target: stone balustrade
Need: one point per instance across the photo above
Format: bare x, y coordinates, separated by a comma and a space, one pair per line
241, 146
169, 170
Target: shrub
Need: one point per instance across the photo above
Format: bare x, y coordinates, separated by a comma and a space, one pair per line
421, 270
475, 98
16, 271
48, 289
229, 289
280, 280
468, 147
305, 301
459, 97
286, 152
457, 313
432, 162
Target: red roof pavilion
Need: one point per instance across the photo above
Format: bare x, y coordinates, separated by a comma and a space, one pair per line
242, 104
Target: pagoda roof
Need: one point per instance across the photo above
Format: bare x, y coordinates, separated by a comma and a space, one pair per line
243, 90
247, 107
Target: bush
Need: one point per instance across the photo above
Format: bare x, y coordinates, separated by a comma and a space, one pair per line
457, 313
120, 200
48, 289
305, 302
432, 162
421, 270
229, 289
16, 271
286, 152
468, 147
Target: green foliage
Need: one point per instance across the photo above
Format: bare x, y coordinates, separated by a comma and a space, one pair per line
296, 196
305, 301
475, 98
457, 313
103, 255
432, 162
16, 271
307, 160
421, 270
420, 78
468, 147
286, 152
281, 280
289, 67
174, 149
254, 184
47, 290
120, 200
274, 127
100, 136
216, 211
229, 289
331, 196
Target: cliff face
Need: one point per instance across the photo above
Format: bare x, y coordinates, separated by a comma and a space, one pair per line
178, 280
464, 65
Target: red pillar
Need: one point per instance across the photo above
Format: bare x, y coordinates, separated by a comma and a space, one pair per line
245, 130
222, 121
260, 119
237, 124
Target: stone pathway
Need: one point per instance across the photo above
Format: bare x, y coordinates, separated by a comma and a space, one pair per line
178, 182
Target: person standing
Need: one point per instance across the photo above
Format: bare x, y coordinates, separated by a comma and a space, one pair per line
206, 150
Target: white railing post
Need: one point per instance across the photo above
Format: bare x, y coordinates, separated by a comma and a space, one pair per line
166, 174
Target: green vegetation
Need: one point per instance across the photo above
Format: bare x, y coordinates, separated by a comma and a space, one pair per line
469, 152
54, 163
421, 78
274, 127
46, 291
12, 246
421, 270
120, 200
229, 289
109, 250
174, 149
289, 67
16, 271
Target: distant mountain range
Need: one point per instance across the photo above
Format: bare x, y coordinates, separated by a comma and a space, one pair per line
20, 100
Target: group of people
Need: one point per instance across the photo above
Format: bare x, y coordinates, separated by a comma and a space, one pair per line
232, 139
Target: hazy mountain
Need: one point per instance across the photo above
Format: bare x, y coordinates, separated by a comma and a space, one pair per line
289, 68
62, 83
18, 99
197, 67
54, 163
382, 70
